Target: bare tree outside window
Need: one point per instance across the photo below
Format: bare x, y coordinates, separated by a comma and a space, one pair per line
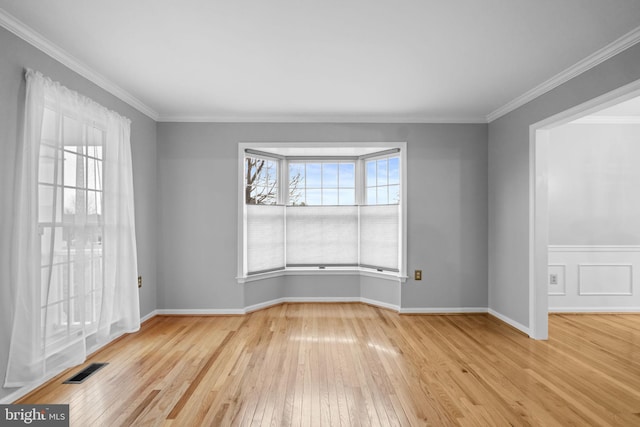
261, 178
261, 182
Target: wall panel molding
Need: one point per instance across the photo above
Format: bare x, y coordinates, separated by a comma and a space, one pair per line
605, 277
597, 278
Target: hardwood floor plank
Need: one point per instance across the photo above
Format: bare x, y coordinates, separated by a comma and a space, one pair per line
353, 364
196, 382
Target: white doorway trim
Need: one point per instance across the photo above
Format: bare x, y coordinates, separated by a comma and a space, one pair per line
538, 200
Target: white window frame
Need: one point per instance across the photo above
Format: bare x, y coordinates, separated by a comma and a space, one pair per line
365, 185
385, 149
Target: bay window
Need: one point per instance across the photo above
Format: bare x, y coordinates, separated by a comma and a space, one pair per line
321, 208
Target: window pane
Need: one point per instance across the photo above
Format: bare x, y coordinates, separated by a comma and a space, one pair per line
296, 175
371, 196
394, 170
269, 198
313, 175
72, 134
95, 142
49, 199
261, 178
92, 204
250, 195
51, 290
47, 164
329, 175
296, 183
95, 151
69, 202
70, 169
272, 173
330, 196
48, 235
314, 197
346, 196
94, 174
371, 173
394, 194
347, 175
383, 198
296, 196
264, 196
382, 172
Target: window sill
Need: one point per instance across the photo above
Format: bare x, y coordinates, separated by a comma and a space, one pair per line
328, 271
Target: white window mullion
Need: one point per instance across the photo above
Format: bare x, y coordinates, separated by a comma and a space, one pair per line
283, 180
360, 182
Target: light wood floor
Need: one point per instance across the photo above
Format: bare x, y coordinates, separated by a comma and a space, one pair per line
353, 364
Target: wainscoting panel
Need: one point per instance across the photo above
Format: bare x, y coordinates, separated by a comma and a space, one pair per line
594, 278
605, 279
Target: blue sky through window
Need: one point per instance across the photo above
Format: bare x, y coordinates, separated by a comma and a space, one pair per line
322, 183
383, 181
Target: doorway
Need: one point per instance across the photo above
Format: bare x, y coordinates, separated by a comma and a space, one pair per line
539, 140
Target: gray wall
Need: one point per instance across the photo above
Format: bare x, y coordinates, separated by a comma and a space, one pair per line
198, 218
16, 55
594, 177
509, 178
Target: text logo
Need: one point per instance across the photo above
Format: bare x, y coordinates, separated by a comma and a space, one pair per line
34, 415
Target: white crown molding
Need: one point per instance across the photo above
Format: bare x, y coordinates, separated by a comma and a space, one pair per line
598, 57
40, 42
311, 118
607, 120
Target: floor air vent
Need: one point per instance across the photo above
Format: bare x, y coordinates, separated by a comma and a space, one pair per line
85, 373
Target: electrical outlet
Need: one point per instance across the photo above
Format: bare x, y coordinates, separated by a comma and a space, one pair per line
417, 275
553, 279
139, 281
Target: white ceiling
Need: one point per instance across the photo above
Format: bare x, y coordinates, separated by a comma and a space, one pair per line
324, 60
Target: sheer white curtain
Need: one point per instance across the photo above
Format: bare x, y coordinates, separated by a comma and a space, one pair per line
74, 266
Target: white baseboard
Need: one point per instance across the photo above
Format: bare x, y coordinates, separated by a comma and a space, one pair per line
442, 310
510, 321
321, 299
260, 306
201, 311
277, 301
380, 304
594, 310
149, 316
